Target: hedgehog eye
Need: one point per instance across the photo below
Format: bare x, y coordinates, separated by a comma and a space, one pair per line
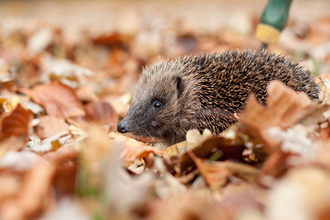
157, 105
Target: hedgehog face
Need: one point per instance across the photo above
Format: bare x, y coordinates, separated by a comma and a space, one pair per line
155, 105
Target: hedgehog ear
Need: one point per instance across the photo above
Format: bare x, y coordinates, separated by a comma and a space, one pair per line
179, 85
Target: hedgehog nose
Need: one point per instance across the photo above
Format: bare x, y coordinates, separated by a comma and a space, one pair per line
123, 127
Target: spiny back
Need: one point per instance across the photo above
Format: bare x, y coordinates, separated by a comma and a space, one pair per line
227, 78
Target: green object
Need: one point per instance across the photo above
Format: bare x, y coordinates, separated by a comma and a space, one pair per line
273, 20
276, 13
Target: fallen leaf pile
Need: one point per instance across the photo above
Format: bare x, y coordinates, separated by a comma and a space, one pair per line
61, 157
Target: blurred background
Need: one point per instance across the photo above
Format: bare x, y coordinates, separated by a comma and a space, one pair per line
115, 39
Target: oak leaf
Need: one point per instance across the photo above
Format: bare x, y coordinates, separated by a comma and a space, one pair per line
285, 107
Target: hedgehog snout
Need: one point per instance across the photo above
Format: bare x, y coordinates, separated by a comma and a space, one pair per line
123, 127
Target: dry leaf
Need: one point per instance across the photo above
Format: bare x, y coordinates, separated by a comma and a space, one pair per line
215, 176
129, 154
195, 138
17, 123
50, 125
102, 113
65, 71
285, 107
294, 140
63, 155
303, 187
86, 94
219, 147
35, 197
13, 184
120, 104
51, 143
11, 144
98, 148
168, 185
324, 95
175, 149
58, 99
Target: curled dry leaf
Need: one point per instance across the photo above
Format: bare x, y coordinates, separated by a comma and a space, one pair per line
137, 166
17, 123
324, 95
50, 125
58, 99
134, 149
10, 105
285, 107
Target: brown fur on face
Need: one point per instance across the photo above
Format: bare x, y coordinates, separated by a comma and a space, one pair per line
205, 91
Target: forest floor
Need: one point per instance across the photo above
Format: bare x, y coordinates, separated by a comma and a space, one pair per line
68, 70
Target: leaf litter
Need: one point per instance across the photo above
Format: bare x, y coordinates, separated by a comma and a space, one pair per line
61, 157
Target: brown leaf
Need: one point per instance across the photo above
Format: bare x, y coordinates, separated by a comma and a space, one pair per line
275, 164
62, 155
13, 185
195, 204
102, 113
216, 173
176, 149
132, 148
226, 149
107, 39
86, 94
96, 153
50, 125
285, 107
11, 143
58, 99
17, 123
215, 176
35, 197
137, 151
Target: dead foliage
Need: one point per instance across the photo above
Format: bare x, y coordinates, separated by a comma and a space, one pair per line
64, 90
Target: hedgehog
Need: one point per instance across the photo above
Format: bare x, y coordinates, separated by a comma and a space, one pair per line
206, 91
